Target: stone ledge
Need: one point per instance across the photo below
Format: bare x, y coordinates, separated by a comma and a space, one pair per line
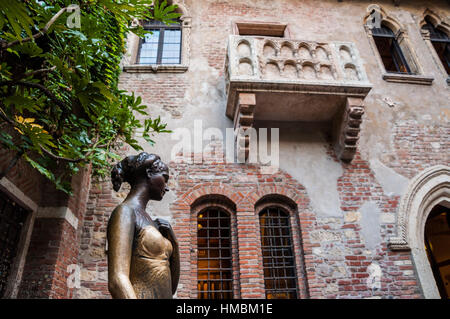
408, 78
153, 68
58, 212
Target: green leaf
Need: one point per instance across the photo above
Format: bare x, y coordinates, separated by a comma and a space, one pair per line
16, 14
41, 169
22, 103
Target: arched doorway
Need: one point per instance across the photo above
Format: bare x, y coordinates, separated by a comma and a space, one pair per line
437, 246
428, 190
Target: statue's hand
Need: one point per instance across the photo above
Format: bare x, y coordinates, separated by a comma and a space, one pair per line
164, 227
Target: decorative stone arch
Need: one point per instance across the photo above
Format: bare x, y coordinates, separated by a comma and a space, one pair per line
288, 193
403, 41
386, 19
199, 191
436, 19
213, 200
130, 62
428, 189
282, 201
438, 22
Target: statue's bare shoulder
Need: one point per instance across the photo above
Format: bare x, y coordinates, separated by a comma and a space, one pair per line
122, 216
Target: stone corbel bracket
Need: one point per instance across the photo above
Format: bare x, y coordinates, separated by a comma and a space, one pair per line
348, 128
243, 120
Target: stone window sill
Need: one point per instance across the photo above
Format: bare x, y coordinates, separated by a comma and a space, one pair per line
408, 78
155, 68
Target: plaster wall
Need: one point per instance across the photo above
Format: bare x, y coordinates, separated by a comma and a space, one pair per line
203, 96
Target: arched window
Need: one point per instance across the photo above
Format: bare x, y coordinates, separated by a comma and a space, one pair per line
280, 278
440, 41
214, 256
393, 49
437, 246
161, 44
391, 54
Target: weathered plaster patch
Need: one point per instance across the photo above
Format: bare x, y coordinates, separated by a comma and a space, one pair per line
391, 182
303, 155
370, 225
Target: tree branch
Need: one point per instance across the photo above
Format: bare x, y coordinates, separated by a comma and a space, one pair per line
31, 73
60, 158
41, 33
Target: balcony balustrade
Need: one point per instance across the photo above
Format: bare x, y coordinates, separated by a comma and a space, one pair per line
282, 80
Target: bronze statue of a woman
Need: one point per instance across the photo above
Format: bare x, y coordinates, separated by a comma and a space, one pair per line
143, 256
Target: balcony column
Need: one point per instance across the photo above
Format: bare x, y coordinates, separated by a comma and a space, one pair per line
243, 120
347, 128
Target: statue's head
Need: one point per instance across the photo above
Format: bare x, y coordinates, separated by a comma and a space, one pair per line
144, 170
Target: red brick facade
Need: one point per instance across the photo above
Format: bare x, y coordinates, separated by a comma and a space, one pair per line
54, 242
242, 187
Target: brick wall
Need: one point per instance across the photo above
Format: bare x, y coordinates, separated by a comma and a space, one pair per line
332, 259
92, 256
54, 243
419, 146
341, 272
22, 174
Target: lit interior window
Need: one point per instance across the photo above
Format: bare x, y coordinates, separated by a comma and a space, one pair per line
280, 278
214, 260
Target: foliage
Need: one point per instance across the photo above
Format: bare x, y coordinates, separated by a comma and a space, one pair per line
59, 85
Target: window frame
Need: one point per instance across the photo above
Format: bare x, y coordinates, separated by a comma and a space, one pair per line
131, 58
161, 28
223, 203
230, 258
437, 24
394, 49
417, 75
294, 267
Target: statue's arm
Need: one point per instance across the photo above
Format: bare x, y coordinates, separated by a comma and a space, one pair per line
174, 262
120, 245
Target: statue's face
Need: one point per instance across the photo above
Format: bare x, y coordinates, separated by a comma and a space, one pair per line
157, 185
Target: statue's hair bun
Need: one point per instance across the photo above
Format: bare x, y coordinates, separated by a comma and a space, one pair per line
125, 169
117, 176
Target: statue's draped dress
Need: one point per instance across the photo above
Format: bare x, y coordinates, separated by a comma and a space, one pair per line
150, 268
